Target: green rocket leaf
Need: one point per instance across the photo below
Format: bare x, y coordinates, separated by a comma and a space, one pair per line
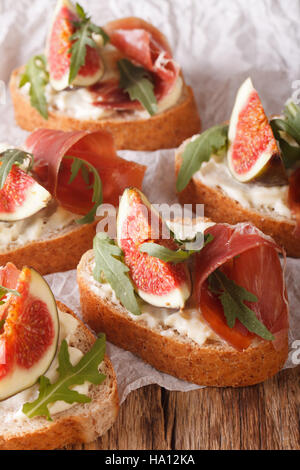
200, 150
108, 262
83, 37
86, 168
232, 297
86, 370
3, 292
11, 157
36, 74
136, 81
173, 256
287, 132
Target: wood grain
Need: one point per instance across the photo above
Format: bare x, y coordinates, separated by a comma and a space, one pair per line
264, 416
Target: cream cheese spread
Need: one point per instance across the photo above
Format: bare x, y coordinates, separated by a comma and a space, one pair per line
78, 103
11, 408
187, 322
44, 224
271, 200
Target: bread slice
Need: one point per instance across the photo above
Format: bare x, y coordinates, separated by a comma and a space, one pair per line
81, 423
221, 208
215, 363
165, 130
60, 252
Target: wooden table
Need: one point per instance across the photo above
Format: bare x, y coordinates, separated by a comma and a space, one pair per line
264, 416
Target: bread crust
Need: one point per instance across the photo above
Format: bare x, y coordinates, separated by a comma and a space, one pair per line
221, 208
212, 364
55, 254
66, 428
165, 130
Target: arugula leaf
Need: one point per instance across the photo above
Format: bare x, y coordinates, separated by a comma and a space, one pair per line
108, 262
86, 370
3, 292
2, 321
285, 128
11, 157
80, 11
200, 150
174, 256
136, 81
83, 37
97, 198
232, 297
36, 74
165, 254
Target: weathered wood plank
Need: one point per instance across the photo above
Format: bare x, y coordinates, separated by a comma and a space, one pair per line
140, 424
281, 397
265, 416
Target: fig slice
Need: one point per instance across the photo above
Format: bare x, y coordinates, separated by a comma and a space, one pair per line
253, 154
58, 51
29, 337
157, 282
21, 196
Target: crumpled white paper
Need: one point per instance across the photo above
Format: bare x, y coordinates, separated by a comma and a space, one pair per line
218, 44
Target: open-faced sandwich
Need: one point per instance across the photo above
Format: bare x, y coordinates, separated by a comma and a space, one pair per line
121, 78
57, 386
49, 194
247, 171
204, 302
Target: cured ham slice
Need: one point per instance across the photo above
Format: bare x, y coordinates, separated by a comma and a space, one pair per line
294, 197
109, 95
146, 46
9, 275
49, 148
251, 259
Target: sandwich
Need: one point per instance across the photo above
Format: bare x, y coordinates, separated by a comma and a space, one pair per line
247, 170
121, 77
201, 301
57, 386
50, 191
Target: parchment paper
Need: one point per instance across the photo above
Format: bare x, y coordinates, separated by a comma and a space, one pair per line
218, 44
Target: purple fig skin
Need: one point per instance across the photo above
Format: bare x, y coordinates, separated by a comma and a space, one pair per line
273, 173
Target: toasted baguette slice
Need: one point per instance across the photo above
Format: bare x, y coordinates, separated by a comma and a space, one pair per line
60, 252
81, 423
165, 130
214, 364
221, 208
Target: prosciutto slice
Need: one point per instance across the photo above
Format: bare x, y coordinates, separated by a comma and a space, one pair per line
146, 46
251, 259
9, 275
49, 148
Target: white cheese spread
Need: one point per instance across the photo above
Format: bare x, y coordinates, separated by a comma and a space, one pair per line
187, 322
11, 408
271, 200
40, 226
78, 103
